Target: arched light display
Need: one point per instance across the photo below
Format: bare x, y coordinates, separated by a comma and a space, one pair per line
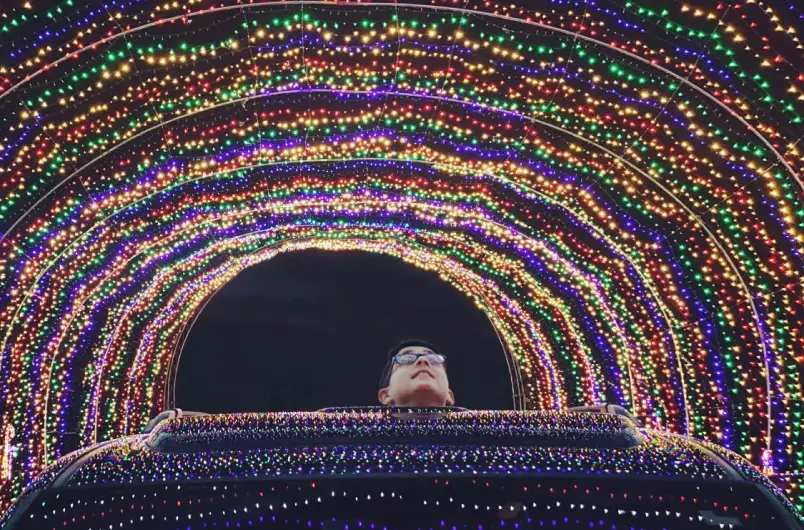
616, 186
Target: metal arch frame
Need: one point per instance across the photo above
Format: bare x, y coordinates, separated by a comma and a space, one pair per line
480, 14
549, 125
422, 162
514, 372
169, 401
171, 377
452, 100
396, 5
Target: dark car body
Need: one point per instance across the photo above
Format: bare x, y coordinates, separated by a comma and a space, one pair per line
387, 468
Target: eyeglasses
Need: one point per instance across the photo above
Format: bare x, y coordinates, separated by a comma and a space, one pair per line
410, 358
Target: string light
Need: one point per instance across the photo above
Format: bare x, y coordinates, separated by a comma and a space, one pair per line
616, 186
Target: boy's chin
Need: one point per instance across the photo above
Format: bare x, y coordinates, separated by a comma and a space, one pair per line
428, 387
425, 392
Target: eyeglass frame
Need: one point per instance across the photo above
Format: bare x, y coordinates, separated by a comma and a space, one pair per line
442, 362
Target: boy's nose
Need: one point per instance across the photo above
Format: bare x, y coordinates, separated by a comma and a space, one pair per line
423, 360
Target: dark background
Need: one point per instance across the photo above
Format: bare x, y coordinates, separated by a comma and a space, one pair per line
311, 329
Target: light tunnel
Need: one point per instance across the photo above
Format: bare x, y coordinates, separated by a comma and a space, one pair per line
615, 186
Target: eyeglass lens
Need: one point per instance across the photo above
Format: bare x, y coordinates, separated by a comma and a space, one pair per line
410, 358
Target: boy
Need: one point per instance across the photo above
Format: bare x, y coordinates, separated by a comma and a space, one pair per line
415, 376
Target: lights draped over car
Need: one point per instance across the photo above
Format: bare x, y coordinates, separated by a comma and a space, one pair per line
479, 467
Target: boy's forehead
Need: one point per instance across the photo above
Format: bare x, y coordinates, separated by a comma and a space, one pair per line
415, 349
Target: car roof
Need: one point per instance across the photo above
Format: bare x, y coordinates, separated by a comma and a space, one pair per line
376, 440
396, 442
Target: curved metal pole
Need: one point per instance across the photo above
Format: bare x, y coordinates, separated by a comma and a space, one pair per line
461, 10
169, 401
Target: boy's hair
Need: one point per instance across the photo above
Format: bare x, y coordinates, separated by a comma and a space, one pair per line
389, 364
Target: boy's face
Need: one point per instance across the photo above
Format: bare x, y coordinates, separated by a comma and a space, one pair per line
420, 384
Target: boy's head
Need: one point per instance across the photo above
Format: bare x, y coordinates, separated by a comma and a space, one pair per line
415, 376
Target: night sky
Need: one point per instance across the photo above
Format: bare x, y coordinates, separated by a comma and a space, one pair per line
311, 329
